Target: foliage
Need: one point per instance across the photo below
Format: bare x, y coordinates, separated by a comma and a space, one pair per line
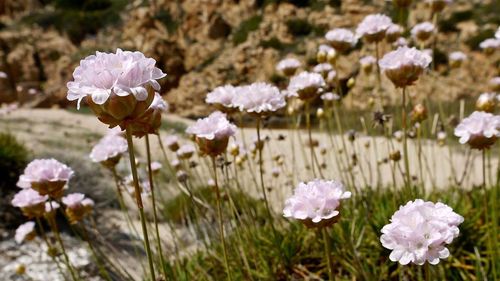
13, 159
241, 33
167, 20
301, 27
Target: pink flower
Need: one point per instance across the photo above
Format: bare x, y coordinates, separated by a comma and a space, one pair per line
27, 198
122, 73
288, 66
419, 232
315, 201
108, 148
215, 126
341, 39
306, 85
25, 231
480, 130
404, 65
44, 171
73, 200
260, 98
373, 27
223, 95
423, 31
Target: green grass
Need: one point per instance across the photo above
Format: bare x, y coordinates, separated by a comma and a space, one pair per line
241, 33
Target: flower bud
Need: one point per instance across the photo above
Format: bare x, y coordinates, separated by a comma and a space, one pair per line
320, 113
395, 156
486, 102
419, 113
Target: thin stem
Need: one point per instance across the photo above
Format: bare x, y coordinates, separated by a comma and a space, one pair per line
405, 142
308, 124
221, 223
53, 224
427, 272
155, 215
99, 262
326, 244
49, 246
261, 170
139, 201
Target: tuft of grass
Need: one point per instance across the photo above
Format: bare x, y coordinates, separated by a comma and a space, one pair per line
241, 33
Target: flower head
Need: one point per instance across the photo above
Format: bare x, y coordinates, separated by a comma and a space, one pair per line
186, 151
341, 39
367, 63
77, 206
109, 149
172, 142
32, 204
322, 68
288, 66
223, 97
456, 58
260, 98
490, 45
419, 232
373, 27
423, 31
306, 85
329, 96
486, 102
316, 203
47, 176
393, 32
212, 133
122, 73
25, 231
480, 130
495, 83
404, 65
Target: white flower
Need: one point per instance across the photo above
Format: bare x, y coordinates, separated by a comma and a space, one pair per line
419, 232
44, 171
122, 73
497, 34
306, 84
3, 75
330, 97
215, 126
479, 130
325, 49
490, 43
156, 166
288, 63
186, 151
341, 39
330, 77
457, 56
24, 231
404, 65
367, 60
374, 25
400, 42
394, 30
316, 200
51, 206
108, 147
422, 31
28, 197
73, 200
223, 95
322, 68
495, 83
260, 98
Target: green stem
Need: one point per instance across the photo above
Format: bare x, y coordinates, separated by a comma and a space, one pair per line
405, 142
139, 201
99, 262
308, 124
49, 246
221, 222
326, 244
155, 215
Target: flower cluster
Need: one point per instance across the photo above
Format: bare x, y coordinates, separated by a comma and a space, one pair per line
260, 98
480, 130
404, 65
109, 150
306, 85
223, 97
212, 133
423, 31
31, 203
46, 176
373, 27
77, 206
25, 232
316, 203
288, 66
419, 232
341, 39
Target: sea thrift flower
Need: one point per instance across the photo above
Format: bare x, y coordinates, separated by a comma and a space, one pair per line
50, 209
316, 203
212, 133
341, 39
3, 75
495, 83
393, 32
288, 66
480, 130
222, 97
25, 232
419, 113
486, 102
330, 78
32, 204
441, 137
109, 150
47, 176
326, 54
490, 45
306, 85
172, 142
373, 27
456, 59
186, 151
400, 42
419, 232
322, 68
423, 31
260, 98
367, 63
330, 97
117, 86
77, 206
156, 166
404, 65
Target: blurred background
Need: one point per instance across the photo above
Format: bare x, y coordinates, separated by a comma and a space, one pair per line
202, 44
